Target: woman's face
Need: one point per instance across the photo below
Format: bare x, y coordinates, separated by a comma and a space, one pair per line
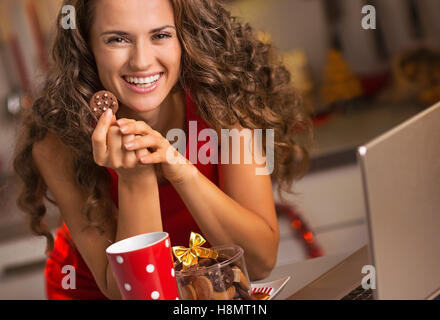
136, 49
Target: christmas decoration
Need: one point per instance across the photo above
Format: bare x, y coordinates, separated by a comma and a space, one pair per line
340, 83
301, 230
297, 63
417, 74
264, 37
189, 256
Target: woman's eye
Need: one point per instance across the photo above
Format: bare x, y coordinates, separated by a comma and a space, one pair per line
161, 36
116, 40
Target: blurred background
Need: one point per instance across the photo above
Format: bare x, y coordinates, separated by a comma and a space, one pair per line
360, 72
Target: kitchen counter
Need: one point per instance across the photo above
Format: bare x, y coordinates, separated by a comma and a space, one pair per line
336, 140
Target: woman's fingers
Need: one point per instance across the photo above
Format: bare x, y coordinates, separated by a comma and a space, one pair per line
140, 145
143, 142
137, 127
151, 158
142, 153
129, 157
115, 154
109, 143
127, 138
99, 137
123, 121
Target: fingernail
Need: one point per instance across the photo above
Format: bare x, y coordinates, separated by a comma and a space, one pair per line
123, 129
129, 145
109, 113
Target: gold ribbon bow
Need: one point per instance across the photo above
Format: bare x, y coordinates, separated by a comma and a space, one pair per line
189, 256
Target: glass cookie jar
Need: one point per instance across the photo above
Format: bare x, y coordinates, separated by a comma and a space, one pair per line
224, 278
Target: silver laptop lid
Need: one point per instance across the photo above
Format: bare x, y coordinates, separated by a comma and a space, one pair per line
401, 177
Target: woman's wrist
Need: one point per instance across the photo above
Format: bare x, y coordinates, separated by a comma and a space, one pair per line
133, 180
139, 205
187, 173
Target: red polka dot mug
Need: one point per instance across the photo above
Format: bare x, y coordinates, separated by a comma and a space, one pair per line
143, 267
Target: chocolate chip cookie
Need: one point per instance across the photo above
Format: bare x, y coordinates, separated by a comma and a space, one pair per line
103, 100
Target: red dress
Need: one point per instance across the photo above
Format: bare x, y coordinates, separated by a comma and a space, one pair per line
176, 218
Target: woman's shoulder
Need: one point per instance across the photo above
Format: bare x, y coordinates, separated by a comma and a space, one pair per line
51, 144
51, 152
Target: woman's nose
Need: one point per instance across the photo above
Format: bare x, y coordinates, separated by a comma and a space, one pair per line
141, 57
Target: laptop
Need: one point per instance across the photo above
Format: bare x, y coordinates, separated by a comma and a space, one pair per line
401, 181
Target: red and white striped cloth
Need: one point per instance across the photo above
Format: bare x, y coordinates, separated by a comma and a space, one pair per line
265, 290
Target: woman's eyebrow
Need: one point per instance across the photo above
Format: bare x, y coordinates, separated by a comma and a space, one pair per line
162, 28
119, 33
123, 33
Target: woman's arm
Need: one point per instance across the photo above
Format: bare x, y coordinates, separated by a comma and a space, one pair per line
54, 164
139, 209
241, 211
138, 193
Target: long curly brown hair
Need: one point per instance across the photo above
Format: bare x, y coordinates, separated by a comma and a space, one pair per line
233, 79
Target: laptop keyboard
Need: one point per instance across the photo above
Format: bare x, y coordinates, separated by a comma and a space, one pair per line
359, 294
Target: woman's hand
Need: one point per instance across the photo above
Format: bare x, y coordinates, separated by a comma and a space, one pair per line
175, 167
108, 151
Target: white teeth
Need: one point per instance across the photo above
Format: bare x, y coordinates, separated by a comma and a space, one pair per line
143, 81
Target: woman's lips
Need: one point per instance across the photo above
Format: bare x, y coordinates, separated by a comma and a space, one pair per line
142, 88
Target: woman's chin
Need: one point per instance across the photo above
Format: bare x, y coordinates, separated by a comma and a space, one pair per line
142, 105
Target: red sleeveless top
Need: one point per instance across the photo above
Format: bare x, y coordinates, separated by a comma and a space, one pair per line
176, 219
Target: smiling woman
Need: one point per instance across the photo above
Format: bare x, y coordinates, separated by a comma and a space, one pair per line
168, 62
137, 51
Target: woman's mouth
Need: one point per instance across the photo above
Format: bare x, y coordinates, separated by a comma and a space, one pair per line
143, 84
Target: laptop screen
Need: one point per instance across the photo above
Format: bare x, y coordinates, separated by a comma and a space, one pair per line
401, 179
